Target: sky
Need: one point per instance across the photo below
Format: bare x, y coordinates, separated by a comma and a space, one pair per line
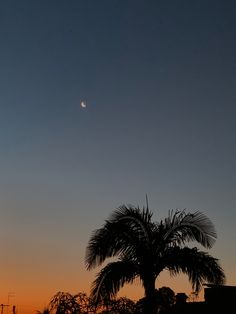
159, 80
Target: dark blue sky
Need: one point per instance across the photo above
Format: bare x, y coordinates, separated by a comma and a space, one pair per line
159, 79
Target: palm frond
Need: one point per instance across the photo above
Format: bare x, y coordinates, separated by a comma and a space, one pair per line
199, 266
119, 235
181, 227
111, 278
136, 219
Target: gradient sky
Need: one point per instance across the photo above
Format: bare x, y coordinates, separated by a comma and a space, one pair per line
159, 79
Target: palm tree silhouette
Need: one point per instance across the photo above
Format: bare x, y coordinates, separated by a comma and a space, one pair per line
145, 248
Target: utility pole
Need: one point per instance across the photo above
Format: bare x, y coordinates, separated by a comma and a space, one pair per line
2, 307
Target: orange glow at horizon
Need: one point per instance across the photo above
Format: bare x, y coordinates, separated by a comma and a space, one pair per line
35, 294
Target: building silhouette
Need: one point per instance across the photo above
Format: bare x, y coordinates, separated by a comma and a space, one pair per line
218, 299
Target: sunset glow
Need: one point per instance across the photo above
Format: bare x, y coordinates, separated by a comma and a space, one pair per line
101, 103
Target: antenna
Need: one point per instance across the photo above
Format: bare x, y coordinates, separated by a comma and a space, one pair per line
10, 295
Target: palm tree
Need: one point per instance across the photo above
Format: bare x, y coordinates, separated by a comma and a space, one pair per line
145, 248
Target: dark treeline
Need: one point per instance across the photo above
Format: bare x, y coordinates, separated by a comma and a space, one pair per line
81, 303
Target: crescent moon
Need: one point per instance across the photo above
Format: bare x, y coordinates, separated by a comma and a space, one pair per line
83, 104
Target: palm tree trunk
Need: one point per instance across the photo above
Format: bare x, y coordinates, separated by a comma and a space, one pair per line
150, 305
